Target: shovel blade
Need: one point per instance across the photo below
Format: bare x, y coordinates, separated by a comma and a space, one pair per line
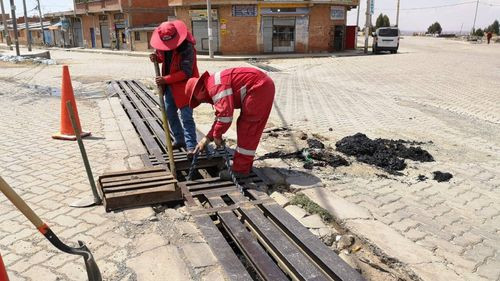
84, 202
93, 272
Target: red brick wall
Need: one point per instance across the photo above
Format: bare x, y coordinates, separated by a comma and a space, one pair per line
241, 35
321, 29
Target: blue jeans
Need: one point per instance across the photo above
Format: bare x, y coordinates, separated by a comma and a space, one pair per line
185, 133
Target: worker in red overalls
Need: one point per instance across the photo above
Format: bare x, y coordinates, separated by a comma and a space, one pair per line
245, 88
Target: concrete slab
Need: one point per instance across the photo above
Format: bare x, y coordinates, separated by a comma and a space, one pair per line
158, 263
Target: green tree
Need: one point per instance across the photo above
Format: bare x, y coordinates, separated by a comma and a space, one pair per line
495, 27
387, 22
479, 32
382, 21
435, 28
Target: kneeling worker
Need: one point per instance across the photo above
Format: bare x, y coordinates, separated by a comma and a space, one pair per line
245, 88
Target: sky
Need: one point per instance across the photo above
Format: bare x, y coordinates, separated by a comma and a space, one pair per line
451, 18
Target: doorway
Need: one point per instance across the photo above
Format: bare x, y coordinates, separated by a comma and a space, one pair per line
200, 32
338, 38
92, 37
279, 34
106, 42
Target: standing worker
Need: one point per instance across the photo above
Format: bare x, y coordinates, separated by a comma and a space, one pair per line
246, 88
488, 36
174, 46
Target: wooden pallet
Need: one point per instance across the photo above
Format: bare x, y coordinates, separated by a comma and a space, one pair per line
135, 188
271, 244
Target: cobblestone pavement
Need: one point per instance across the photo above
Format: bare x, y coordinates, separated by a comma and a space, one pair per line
434, 90
131, 245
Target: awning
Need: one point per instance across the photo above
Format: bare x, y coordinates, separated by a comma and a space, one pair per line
55, 26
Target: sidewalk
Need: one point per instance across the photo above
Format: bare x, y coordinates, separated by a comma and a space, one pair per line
347, 53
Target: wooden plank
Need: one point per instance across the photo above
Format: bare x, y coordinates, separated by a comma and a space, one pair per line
122, 200
261, 261
226, 256
140, 186
136, 119
149, 141
151, 119
205, 186
296, 262
215, 192
135, 175
138, 179
310, 244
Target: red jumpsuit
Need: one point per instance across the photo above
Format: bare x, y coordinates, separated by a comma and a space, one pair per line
250, 90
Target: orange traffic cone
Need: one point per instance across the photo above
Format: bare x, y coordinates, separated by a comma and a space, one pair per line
67, 132
3, 271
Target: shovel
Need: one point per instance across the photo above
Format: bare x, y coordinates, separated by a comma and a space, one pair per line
90, 264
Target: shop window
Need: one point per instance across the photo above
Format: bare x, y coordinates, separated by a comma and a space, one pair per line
244, 11
103, 17
118, 16
137, 36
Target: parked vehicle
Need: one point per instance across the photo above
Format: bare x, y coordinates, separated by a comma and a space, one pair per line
386, 39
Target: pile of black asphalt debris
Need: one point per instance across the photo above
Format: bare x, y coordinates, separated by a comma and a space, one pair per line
387, 154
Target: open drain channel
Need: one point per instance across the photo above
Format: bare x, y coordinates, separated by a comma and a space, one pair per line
250, 234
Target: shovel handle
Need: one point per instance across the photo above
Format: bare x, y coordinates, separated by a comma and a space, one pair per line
21, 205
166, 127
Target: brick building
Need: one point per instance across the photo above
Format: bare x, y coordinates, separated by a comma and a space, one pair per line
272, 26
111, 23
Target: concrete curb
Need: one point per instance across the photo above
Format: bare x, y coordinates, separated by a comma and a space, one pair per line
349, 53
419, 261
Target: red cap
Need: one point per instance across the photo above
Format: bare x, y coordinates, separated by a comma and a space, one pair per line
193, 89
169, 35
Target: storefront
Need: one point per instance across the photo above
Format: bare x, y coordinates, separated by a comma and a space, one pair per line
270, 26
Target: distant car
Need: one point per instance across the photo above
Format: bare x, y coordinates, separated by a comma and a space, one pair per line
386, 39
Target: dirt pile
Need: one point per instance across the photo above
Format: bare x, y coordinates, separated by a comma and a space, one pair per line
384, 153
442, 176
317, 155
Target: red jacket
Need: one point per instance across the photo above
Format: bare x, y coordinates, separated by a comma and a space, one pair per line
230, 89
182, 67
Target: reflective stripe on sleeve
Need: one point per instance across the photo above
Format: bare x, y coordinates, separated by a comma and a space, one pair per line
225, 119
217, 78
243, 92
221, 94
245, 151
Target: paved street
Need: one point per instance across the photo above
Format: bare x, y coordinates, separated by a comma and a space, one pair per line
434, 90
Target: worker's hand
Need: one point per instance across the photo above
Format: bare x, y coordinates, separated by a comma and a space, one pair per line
201, 145
218, 142
153, 57
160, 81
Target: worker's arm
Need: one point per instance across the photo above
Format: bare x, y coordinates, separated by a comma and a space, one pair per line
186, 66
224, 109
160, 57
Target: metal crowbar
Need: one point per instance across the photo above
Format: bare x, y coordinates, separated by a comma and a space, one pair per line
90, 264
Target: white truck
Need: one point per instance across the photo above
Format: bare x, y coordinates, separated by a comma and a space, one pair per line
386, 39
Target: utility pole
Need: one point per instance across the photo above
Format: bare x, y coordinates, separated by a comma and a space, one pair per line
475, 17
210, 38
28, 37
357, 25
14, 24
367, 23
4, 22
41, 21
397, 16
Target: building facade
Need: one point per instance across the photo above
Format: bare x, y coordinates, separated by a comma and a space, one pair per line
116, 24
272, 26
